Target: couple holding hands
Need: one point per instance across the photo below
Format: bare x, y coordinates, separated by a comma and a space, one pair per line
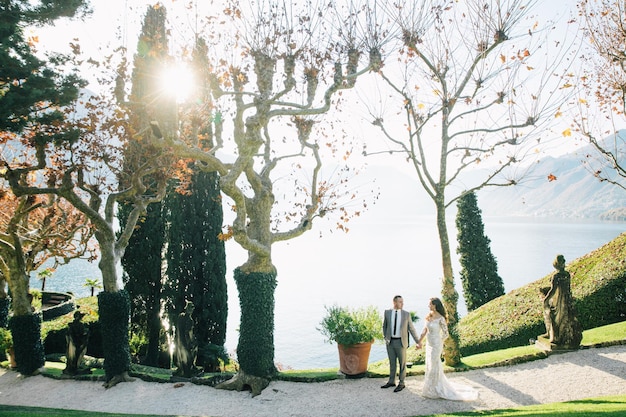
397, 326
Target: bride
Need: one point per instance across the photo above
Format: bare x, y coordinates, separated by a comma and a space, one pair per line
436, 385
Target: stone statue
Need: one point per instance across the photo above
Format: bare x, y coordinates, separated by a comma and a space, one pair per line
77, 338
185, 348
562, 327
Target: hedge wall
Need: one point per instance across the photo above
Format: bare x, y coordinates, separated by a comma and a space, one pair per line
56, 342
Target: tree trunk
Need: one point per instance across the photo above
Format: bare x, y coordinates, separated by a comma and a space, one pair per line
5, 303
450, 296
29, 352
18, 285
107, 263
154, 337
255, 350
25, 326
114, 311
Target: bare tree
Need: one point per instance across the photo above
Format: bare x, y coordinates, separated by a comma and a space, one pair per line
268, 84
33, 230
603, 97
86, 173
472, 87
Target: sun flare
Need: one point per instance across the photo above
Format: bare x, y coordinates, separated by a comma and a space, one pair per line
177, 81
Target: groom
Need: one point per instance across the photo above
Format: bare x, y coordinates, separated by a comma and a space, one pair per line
396, 327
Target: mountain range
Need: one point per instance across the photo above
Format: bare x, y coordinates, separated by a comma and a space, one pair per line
559, 187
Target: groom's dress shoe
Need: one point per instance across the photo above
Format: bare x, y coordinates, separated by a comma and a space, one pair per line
388, 385
399, 388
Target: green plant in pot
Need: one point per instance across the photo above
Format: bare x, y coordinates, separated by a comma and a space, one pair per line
354, 331
346, 326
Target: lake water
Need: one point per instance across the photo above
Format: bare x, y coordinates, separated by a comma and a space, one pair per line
371, 264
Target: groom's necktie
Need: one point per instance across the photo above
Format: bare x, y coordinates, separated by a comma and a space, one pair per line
395, 323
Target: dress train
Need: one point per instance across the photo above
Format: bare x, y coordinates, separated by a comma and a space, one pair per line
436, 385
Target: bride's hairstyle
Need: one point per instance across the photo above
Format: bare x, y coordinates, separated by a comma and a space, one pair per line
439, 307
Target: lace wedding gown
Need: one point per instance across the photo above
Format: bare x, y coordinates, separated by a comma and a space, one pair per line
436, 385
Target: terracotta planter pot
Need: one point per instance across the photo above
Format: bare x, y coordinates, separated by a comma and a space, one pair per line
353, 359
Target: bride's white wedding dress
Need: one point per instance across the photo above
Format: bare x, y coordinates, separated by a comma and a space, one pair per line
436, 385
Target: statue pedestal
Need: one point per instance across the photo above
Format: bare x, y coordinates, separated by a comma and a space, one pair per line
544, 344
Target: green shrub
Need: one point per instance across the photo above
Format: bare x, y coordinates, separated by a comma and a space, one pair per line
138, 345
599, 292
53, 331
6, 340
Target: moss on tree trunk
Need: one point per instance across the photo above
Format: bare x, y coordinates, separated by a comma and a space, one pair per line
114, 310
27, 345
255, 350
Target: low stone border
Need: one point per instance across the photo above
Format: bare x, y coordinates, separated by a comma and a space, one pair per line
58, 310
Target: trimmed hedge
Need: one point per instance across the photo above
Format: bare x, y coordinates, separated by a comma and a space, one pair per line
53, 332
51, 313
56, 342
599, 292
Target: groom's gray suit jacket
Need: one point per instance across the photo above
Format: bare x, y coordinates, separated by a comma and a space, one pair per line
406, 327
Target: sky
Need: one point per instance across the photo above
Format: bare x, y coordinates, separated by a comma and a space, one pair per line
118, 22
115, 22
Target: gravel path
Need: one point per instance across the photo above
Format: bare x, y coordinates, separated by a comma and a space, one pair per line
560, 377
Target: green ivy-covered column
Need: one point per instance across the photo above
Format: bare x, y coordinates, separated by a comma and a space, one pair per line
114, 310
5, 303
255, 351
29, 352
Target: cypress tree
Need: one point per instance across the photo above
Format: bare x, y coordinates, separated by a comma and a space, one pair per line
479, 268
196, 256
142, 261
142, 278
196, 264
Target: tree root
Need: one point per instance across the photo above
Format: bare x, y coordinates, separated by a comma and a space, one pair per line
242, 381
123, 377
